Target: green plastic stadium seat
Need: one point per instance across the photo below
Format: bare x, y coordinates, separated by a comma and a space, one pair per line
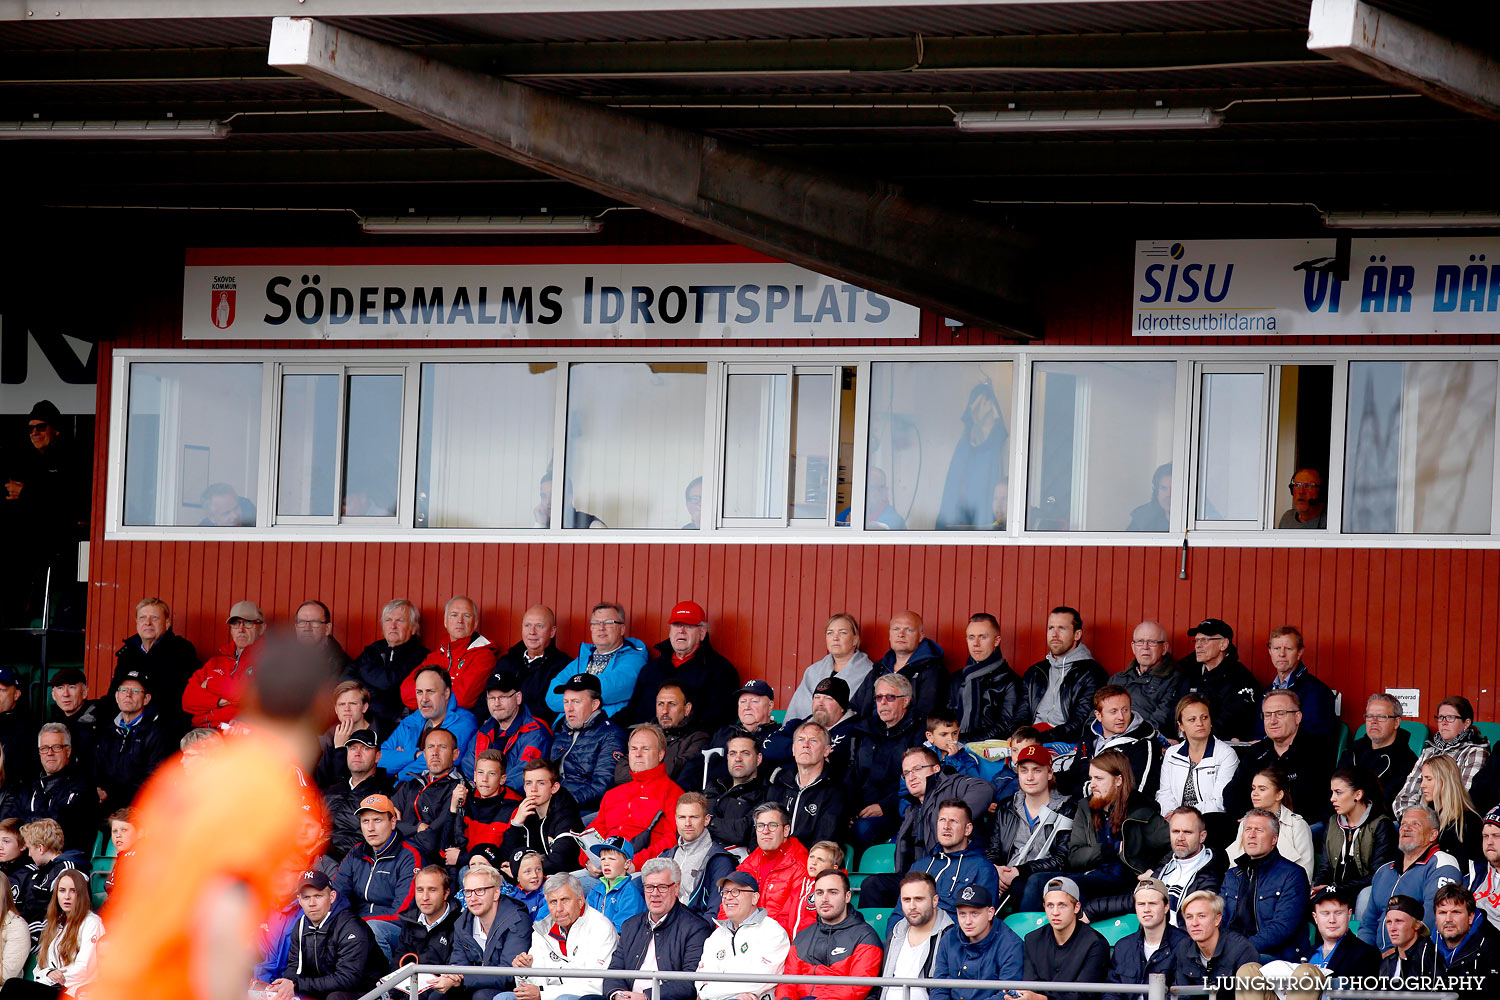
1118, 927
878, 858
1344, 740
1489, 730
778, 715
876, 918
1024, 923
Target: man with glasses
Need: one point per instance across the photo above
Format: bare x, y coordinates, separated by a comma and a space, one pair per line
746, 941
612, 657
510, 728
876, 774
61, 792
130, 748
1383, 750
493, 932
1300, 753
213, 694
1216, 673
668, 937
313, 623
1418, 874
687, 658
1454, 736
1152, 678
778, 863
1309, 509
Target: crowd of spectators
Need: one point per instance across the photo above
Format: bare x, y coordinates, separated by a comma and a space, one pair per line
647, 808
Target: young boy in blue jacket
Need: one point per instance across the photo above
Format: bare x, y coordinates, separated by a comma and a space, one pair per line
618, 895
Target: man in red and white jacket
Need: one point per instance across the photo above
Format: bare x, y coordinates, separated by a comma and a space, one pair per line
839, 944
644, 809
467, 656
779, 864
212, 696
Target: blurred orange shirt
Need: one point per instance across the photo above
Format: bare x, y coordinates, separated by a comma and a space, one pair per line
245, 814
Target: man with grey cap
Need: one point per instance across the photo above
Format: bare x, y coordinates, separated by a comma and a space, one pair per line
746, 940
1066, 950
212, 696
1151, 949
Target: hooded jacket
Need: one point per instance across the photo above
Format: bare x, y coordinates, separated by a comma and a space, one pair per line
847, 948
1139, 743
676, 942
926, 671
1421, 958
942, 926
1211, 777
704, 899
1049, 838
535, 675
586, 756
401, 753
468, 662
779, 875
616, 679
987, 698
1473, 965
338, 956
1231, 690
378, 884
1128, 962
1420, 880
1153, 694
381, 668
997, 955
643, 812
526, 739
818, 810
1081, 678
859, 673
1143, 837
588, 944
1469, 751
1269, 896
918, 831
708, 679
1352, 854
618, 902
1391, 764
758, 945
509, 936
875, 774
953, 871
224, 676
545, 835
428, 945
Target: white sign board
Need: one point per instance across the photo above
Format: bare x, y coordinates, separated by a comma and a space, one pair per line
459, 294
1410, 699
1236, 288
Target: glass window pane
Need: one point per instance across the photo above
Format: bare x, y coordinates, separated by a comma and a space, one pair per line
1421, 448
309, 440
1231, 462
755, 442
939, 446
1101, 446
192, 444
812, 432
372, 449
484, 444
635, 443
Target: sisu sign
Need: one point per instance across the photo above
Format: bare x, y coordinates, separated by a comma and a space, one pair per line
1220, 288
505, 294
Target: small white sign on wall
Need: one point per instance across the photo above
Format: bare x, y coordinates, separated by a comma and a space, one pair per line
1411, 701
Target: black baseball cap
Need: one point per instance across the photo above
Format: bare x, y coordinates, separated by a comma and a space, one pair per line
503, 680
974, 895
1328, 892
1406, 904
139, 676
580, 682
68, 675
759, 687
365, 737
1214, 628
313, 879
738, 877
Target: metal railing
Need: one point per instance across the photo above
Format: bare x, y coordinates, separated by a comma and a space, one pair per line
1155, 988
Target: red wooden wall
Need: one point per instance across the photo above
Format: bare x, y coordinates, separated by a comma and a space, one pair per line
1373, 618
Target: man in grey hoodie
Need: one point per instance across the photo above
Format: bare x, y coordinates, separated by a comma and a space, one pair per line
914, 939
1059, 688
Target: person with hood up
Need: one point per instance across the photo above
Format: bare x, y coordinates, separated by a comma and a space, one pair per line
747, 940
1152, 678
1059, 688
387, 661
912, 949
839, 944
844, 661
612, 657
1033, 829
1117, 727
467, 656
956, 863
686, 657
986, 695
1118, 833
981, 948
917, 658
977, 465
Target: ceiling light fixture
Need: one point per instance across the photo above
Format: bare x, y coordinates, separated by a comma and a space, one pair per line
1411, 220
167, 128
476, 224
1088, 120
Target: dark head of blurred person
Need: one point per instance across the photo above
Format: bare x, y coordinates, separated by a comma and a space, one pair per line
223, 507
223, 860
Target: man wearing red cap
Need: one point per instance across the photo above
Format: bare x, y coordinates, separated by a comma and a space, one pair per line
686, 658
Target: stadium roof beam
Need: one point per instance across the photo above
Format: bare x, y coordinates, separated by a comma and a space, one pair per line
860, 230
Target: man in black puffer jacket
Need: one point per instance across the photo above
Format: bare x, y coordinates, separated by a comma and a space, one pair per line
332, 956
427, 928
1059, 689
986, 695
1213, 670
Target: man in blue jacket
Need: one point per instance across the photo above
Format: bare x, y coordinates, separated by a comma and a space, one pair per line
376, 879
983, 948
919, 660
586, 745
1419, 873
1265, 895
401, 753
616, 660
504, 925
1151, 949
956, 862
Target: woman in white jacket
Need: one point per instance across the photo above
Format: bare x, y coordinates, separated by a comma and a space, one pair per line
1270, 790
746, 940
70, 939
1197, 771
15, 936
844, 660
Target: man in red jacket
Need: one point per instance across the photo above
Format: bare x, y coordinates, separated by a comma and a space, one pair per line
839, 944
467, 656
779, 864
644, 809
212, 696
